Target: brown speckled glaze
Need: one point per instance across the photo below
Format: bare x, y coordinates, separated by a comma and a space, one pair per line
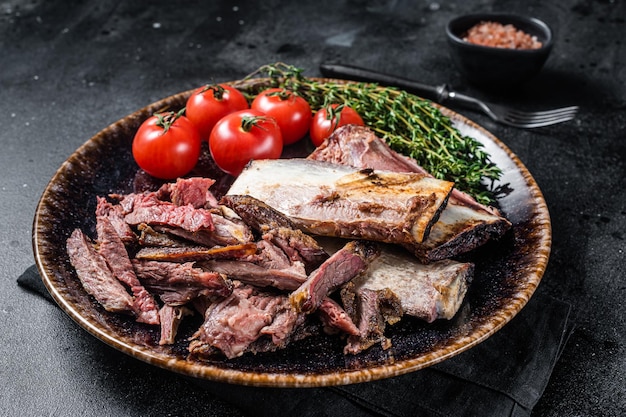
507, 274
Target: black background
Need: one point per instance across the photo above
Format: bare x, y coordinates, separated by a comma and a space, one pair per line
70, 68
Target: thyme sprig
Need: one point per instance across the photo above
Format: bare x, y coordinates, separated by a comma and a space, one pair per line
410, 125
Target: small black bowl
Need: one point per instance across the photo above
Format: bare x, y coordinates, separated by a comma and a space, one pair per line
498, 67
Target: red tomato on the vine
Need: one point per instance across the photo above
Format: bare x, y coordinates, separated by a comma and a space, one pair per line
292, 112
243, 136
328, 119
208, 104
166, 145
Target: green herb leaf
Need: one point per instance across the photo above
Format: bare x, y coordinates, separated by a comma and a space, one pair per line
411, 125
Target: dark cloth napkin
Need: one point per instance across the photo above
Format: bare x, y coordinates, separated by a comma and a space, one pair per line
503, 376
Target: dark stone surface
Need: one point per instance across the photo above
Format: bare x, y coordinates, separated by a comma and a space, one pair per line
68, 69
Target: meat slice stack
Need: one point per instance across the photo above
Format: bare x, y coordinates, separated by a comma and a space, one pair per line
95, 275
111, 272
164, 255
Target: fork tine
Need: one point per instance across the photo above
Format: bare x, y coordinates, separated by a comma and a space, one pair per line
540, 123
567, 116
512, 117
543, 114
539, 118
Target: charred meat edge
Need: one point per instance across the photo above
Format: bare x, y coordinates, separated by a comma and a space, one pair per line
336, 200
344, 265
463, 225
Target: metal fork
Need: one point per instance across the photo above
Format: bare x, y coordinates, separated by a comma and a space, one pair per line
443, 94
508, 116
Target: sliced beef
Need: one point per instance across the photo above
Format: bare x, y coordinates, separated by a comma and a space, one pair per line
359, 146
281, 330
271, 256
269, 266
193, 191
302, 329
230, 231
255, 284
257, 214
147, 208
95, 275
114, 252
177, 283
277, 228
179, 295
288, 278
116, 216
463, 225
235, 323
335, 319
170, 318
225, 232
298, 246
196, 253
344, 265
372, 310
148, 236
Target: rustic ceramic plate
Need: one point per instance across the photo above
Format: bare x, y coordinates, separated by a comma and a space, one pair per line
507, 273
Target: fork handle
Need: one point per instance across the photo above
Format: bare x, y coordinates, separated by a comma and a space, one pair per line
435, 93
439, 93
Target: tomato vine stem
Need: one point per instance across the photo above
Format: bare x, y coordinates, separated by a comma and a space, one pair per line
166, 120
248, 122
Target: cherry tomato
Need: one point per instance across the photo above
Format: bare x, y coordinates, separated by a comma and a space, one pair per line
243, 136
208, 104
166, 145
292, 112
329, 118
